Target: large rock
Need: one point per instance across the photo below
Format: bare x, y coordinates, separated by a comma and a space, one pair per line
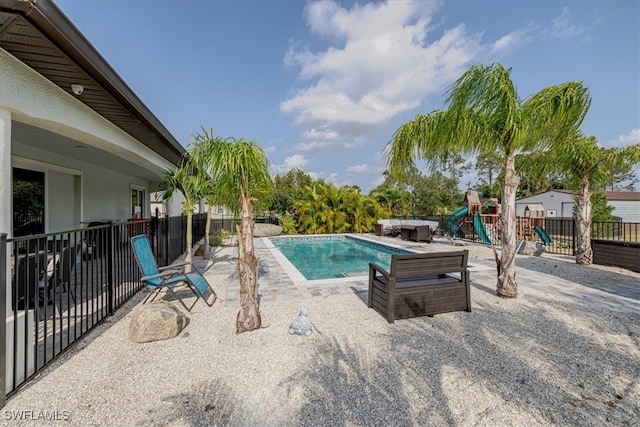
266, 230
527, 247
155, 322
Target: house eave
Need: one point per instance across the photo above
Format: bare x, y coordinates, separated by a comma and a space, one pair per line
41, 36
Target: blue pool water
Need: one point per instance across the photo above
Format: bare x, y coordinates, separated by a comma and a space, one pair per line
327, 257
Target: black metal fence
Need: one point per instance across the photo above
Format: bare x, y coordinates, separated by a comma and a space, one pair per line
558, 235
64, 284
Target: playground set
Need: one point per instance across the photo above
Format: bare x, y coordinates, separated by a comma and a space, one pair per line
481, 221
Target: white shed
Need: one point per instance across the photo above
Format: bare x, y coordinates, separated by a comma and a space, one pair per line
556, 203
626, 204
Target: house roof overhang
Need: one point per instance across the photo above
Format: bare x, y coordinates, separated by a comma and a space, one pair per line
40, 35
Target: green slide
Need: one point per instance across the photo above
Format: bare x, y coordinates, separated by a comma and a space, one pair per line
452, 221
543, 235
479, 227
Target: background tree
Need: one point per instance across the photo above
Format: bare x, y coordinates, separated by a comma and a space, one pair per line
325, 208
485, 114
397, 202
488, 167
320, 211
436, 194
622, 174
240, 170
288, 190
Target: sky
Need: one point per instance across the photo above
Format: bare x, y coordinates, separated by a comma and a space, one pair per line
323, 85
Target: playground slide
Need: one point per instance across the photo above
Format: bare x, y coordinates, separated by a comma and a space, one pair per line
479, 227
452, 221
458, 215
543, 235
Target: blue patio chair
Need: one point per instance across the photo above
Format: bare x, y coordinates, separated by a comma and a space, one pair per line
155, 279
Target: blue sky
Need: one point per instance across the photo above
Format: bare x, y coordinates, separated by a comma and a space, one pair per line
323, 85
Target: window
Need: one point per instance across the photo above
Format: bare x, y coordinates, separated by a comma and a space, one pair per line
28, 202
138, 205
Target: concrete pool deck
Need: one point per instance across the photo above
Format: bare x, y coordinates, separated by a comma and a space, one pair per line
278, 279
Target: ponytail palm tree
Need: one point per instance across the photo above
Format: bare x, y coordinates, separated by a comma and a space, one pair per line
240, 173
189, 181
484, 114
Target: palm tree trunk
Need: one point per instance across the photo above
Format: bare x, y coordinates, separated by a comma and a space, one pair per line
507, 286
249, 315
187, 256
584, 254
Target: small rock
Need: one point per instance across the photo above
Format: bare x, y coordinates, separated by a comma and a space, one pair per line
266, 230
530, 248
155, 322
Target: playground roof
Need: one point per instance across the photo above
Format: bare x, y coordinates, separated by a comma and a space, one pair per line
535, 207
471, 197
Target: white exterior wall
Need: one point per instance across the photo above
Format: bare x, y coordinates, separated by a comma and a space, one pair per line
628, 210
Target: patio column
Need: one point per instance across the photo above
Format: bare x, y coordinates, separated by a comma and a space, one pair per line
6, 190
25, 328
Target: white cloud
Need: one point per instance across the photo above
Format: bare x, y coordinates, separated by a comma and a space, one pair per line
325, 139
358, 169
513, 39
291, 162
562, 28
377, 182
631, 138
333, 178
381, 63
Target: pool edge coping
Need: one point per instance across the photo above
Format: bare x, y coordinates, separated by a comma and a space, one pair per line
298, 278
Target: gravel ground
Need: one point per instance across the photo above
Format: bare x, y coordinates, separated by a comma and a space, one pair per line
542, 359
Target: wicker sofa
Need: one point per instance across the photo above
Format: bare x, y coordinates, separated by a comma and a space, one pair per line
420, 285
386, 227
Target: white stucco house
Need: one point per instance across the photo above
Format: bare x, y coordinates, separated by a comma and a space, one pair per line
560, 203
73, 136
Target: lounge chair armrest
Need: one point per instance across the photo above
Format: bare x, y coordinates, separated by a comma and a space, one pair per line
174, 266
161, 274
373, 267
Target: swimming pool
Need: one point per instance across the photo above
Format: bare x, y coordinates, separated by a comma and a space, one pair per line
329, 257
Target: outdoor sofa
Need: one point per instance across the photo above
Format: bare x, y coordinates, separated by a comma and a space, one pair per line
386, 227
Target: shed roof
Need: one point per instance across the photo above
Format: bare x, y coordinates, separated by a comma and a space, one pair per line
623, 196
41, 36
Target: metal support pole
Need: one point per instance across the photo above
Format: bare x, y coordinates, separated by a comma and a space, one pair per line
3, 319
111, 269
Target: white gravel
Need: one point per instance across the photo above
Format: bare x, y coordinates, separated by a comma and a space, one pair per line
545, 358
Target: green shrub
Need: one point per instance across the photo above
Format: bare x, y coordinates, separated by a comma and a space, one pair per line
288, 224
216, 239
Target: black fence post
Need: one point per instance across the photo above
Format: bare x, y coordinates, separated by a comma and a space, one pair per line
575, 231
3, 318
110, 270
166, 241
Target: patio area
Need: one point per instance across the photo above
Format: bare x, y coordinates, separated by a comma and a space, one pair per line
566, 352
